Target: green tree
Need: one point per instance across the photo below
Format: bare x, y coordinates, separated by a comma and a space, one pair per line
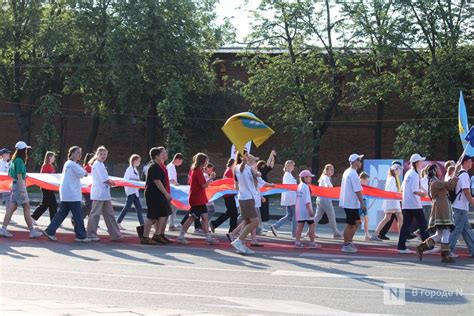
302, 83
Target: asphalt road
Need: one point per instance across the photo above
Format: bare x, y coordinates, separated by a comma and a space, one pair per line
43, 277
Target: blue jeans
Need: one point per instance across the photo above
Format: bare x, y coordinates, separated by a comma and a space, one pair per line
135, 200
77, 215
289, 216
461, 226
408, 216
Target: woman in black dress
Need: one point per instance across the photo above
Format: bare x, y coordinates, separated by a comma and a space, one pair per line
264, 168
158, 198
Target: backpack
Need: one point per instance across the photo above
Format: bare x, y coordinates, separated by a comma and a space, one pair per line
452, 193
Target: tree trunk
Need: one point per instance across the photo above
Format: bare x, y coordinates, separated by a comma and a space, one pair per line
315, 163
151, 124
379, 129
92, 134
452, 150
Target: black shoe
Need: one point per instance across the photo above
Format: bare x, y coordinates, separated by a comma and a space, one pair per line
411, 236
140, 231
384, 238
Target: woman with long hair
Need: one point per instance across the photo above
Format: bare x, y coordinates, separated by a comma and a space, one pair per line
324, 206
101, 198
133, 194
231, 212
441, 217
19, 195
391, 206
198, 199
49, 198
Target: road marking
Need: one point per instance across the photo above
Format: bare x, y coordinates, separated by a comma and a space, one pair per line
172, 266
173, 279
334, 275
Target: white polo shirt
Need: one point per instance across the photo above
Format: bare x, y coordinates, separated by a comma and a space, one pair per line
411, 184
288, 198
100, 191
349, 187
247, 189
172, 174
70, 185
461, 201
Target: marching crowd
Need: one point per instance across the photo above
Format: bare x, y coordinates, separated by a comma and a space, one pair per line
450, 198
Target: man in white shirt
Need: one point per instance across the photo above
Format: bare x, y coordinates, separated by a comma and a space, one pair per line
173, 176
351, 200
460, 208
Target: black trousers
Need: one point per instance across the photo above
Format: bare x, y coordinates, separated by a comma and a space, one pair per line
231, 214
386, 228
408, 216
265, 210
48, 202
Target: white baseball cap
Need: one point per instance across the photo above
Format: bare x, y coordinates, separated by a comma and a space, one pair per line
21, 145
416, 157
306, 173
355, 157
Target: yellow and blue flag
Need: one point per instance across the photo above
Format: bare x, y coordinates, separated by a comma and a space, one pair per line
463, 125
244, 127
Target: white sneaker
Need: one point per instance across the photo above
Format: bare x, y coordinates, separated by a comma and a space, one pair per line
248, 251
314, 245
338, 236
433, 251
83, 239
13, 222
452, 254
212, 241
50, 237
35, 233
94, 238
173, 229
121, 227
239, 246
298, 245
34, 222
182, 240
5, 233
349, 248
406, 251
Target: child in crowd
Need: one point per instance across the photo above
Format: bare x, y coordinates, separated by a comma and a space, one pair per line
101, 198
364, 218
304, 210
198, 199
133, 194
49, 197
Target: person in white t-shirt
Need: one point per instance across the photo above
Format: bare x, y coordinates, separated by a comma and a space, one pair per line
411, 204
101, 199
461, 205
351, 200
71, 197
304, 210
133, 194
390, 206
173, 176
4, 167
323, 205
288, 200
246, 183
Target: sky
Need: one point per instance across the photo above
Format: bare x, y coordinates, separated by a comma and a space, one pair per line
237, 12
